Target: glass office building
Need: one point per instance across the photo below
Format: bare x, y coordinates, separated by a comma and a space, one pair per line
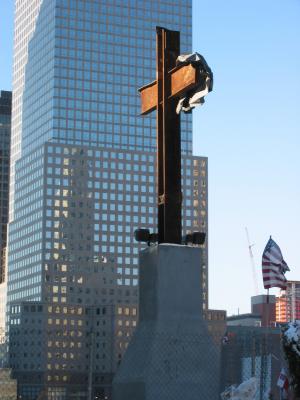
5, 132
82, 180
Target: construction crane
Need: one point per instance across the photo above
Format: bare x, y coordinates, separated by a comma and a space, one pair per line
252, 262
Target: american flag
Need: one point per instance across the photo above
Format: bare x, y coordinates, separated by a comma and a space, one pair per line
283, 380
273, 266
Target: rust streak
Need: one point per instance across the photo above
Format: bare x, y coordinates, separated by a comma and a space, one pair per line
183, 78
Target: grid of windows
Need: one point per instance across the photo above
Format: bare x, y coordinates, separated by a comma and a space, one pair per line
5, 121
25, 234
95, 41
75, 335
116, 195
288, 303
26, 12
85, 181
92, 200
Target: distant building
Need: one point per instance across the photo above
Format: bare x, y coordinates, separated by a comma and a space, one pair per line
252, 351
216, 322
253, 348
3, 343
5, 133
262, 313
216, 325
264, 306
244, 320
288, 303
8, 386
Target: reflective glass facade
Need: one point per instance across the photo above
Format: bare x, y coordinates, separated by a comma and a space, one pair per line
26, 12
26, 231
85, 67
5, 133
83, 181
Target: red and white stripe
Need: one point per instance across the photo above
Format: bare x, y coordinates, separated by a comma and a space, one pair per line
273, 266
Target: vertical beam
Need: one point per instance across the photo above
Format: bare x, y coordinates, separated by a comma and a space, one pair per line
159, 133
168, 140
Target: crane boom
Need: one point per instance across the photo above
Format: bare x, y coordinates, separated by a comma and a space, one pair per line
252, 262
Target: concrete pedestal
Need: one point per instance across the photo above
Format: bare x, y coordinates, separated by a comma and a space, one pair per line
171, 356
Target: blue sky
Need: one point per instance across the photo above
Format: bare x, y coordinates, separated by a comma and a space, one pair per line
6, 43
248, 128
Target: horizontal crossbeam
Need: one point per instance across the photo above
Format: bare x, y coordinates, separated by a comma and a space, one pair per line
183, 79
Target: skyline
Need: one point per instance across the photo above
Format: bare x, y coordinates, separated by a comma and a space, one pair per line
242, 123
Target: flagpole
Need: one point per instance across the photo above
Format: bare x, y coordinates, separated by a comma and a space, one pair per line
268, 300
273, 269
268, 311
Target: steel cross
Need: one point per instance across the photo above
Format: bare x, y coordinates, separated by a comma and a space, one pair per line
162, 95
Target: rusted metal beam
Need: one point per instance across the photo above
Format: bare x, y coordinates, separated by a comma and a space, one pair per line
159, 94
148, 98
182, 78
168, 143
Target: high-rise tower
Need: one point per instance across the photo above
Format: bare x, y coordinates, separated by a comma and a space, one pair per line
82, 180
288, 303
5, 133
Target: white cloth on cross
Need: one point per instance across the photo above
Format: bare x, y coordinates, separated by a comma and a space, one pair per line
195, 97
